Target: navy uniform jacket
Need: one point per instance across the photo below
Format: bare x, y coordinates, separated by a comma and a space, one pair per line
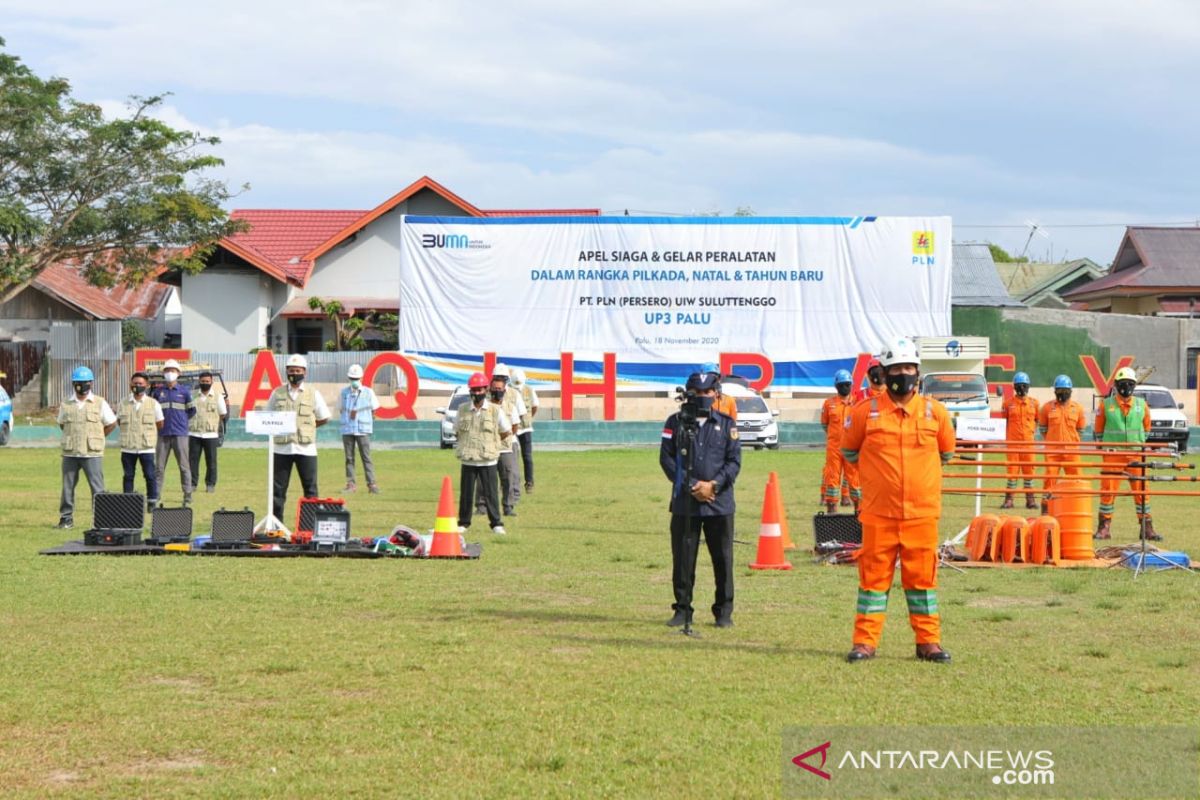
177, 407
718, 457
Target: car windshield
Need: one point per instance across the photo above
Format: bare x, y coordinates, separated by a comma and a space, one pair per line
751, 405
1156, 398
457, 400
953, 387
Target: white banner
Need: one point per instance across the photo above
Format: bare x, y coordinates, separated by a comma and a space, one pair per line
667, 294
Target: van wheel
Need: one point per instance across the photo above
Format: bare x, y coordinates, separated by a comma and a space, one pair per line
4, 434
773, 446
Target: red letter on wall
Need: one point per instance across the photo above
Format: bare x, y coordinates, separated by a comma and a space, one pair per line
859, 373
1101, 384
264, 366
606, 387
766, 369
1008, 363
489, 364
406, 397
143, 356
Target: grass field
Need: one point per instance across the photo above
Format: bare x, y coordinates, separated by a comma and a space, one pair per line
543, 669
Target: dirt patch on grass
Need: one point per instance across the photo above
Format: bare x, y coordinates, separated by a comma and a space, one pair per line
1005, 602
183, 683
172, 763
64, 777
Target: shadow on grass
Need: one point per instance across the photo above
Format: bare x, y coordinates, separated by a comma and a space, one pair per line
709, 639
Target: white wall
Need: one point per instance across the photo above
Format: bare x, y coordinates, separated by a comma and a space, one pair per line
367, 267
225, 310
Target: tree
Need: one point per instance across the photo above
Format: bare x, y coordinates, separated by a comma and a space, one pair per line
117, 197
1001, 256
133, 336
347, 330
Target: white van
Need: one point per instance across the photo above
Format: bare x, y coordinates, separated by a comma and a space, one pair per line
756, 423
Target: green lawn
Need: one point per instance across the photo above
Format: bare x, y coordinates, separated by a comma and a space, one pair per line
543, 669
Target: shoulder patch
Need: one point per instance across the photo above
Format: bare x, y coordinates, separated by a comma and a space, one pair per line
733, 434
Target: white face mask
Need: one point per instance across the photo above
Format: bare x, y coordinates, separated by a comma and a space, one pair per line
171, 376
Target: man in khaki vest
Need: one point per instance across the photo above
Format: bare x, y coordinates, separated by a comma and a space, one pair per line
204, 431
140, 418
480, 429
509, 466
299, 448
85, 420
525, 426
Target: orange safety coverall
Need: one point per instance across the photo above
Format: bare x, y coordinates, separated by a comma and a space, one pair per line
1061, 422
1119, 461
1021, 414
838, 471
726, 405
899, 450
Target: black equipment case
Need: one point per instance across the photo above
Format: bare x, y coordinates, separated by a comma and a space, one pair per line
112, 537
842, 528
331, 527
232, 527
307, 507
170, 525
118, 511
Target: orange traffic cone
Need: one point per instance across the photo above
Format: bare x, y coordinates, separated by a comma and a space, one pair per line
446, 543
770, 535
788, 544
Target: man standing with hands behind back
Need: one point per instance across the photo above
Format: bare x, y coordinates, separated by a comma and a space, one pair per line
299, 448
706, 502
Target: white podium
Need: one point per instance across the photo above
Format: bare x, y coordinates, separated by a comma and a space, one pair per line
271, 424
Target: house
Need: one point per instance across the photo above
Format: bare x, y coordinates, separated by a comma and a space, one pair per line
1041, 285
256, 288
974, 280
1156, 272
60, 293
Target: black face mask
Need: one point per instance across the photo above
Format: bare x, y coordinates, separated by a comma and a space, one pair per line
497, 395
82, 389
843, 389
295, 380
1125, 388
875, 376
901, 385
205, 387
704, 404
1021, 389
1062, 395
138, 390
477, 397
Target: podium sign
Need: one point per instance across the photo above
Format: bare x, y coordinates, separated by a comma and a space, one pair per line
980, 429
271, 423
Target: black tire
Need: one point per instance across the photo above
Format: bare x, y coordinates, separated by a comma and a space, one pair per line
4, 434
445, 445
773, 446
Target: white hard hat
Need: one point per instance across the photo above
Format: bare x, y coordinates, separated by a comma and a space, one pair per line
355, 372
518, 376
297, 360
170, 363
1125, 374
900, 351
500, 371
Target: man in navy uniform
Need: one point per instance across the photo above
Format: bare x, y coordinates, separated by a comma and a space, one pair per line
701, 498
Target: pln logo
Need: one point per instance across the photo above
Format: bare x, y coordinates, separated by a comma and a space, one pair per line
922, 248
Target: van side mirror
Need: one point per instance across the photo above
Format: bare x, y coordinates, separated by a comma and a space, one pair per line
1179, 406
775, 412
440, 410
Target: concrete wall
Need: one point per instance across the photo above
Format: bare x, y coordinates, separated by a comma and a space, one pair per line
225, 309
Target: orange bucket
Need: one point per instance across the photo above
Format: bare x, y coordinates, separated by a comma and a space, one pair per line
1074, 515
1014, 540
983, 537
1045, 540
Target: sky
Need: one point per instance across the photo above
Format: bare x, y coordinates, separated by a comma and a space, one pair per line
1079, 116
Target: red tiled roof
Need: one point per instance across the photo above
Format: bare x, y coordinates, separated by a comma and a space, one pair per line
278, 239
64, 283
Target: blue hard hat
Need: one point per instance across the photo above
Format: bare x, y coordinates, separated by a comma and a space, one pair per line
1063, 382
841, 376
82, 374
710, 366
702, 381
1021, 377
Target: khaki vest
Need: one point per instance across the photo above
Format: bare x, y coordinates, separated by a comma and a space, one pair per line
83, 432
139, 429
527, 417
306, 413
478, 433
208, 417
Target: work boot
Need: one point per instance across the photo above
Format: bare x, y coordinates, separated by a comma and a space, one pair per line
845, 502
932, 652
373, 488
1008, 503
1030, 501
681, 618
831, 508
724, 620
66, 523
529, 488
351, 486
1151, 534
1045, 506
1104, 529
187, 499
860, 652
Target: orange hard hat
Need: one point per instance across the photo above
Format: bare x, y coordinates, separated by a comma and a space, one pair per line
477, 381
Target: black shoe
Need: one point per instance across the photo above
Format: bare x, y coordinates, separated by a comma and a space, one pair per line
65, 524
932, 652
529, 488
210, 489
860, 652
510, 512
680, 619
724, 621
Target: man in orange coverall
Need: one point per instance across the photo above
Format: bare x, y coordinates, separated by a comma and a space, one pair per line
1123, 418
1021, 413
1060, 421
838, 471
899, 441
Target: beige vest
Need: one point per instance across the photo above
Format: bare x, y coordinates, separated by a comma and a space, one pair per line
478, 433
306, 413
83, 432
208, 417
510, 410
527, 417
139, 429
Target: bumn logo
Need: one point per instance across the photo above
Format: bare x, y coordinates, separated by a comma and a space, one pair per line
446, 240
823, 749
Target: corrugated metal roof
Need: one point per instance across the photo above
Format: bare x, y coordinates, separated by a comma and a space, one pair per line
974, 280
64, 283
